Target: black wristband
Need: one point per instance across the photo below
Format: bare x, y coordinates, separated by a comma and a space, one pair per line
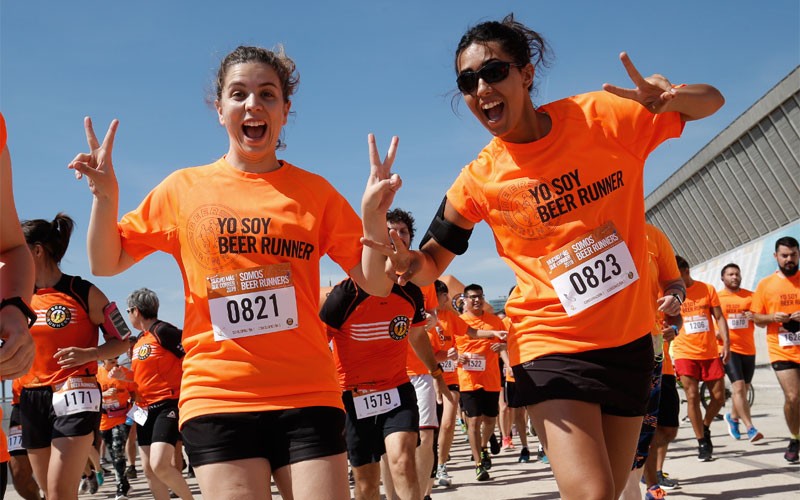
22, 306
678, 298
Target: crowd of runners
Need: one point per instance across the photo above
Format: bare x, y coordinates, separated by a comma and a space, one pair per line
268, 382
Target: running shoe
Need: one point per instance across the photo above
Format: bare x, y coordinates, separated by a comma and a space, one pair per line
704, 451
753, 435
93, 483
122, 490
792, 450
666, 482
83, 486
130, 472
655, 493
542, 456
481, 474
524, 456
494, 444
442, 477
101, 477
486, 460
733, 426
507, 444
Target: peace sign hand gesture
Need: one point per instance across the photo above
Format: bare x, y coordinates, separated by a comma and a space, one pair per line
96, 165
382, 184
654, 92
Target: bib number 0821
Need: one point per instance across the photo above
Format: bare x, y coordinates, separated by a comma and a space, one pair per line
592, 280
248, 310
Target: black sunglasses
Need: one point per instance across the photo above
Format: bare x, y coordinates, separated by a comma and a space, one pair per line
491, 72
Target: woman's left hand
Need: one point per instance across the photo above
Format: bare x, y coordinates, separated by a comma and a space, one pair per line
72, 357
654, 92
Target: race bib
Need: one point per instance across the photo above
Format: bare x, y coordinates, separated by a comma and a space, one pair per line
448, 365
15, 438
76, 395
737, 321
474, 363
590, 269
139, 415
787, 339
376, 403
695, 324
253, 301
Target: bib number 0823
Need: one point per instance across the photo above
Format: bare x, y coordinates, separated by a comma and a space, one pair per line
588, 279
248, 310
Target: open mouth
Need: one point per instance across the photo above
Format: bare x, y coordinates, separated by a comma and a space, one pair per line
493, 110
254, 129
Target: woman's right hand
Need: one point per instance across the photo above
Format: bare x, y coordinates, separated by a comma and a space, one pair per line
97, 165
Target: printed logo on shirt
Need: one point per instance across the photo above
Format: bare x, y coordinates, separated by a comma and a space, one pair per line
144, 352
531, 207
172, 414
58, 316
398, 327
203, 231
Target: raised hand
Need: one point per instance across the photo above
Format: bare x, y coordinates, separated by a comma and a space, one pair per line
653, 92
382, 184
97, 165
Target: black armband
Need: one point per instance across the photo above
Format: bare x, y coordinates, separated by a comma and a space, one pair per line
453, 238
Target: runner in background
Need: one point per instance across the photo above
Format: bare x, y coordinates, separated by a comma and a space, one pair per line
16, 286
119, 392
569, 173
19, 465
60, 400
447, 322
479, 376
260, 397
157, 369
735, 303
667, 291
697, 357
776, 306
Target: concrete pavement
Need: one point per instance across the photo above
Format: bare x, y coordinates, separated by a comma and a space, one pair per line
740, 469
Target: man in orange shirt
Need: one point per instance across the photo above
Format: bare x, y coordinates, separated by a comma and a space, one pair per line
479, 377
735, 304
697, 357
776, 306
119, 389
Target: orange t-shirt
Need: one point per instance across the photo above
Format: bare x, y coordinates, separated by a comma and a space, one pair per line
115, 407
414, 365
449, 326
740, 329
663, 268
487, 378
540, 197
156, 364
370, 334
697, 338
777, 293
62, 321
224, 226
429, 293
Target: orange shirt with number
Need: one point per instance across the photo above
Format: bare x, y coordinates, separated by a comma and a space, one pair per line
217, 221
539, 197
697, 338
115, 407
740, 329
487, 379
777, 293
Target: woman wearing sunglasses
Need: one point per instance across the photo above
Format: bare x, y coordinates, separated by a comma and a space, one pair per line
561, 187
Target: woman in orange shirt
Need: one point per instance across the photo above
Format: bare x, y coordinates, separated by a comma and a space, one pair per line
60, 400
259, 395
561, 188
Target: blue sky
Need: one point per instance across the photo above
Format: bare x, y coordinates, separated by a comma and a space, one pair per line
378, 66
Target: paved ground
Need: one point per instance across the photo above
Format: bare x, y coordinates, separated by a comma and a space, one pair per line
740, 470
